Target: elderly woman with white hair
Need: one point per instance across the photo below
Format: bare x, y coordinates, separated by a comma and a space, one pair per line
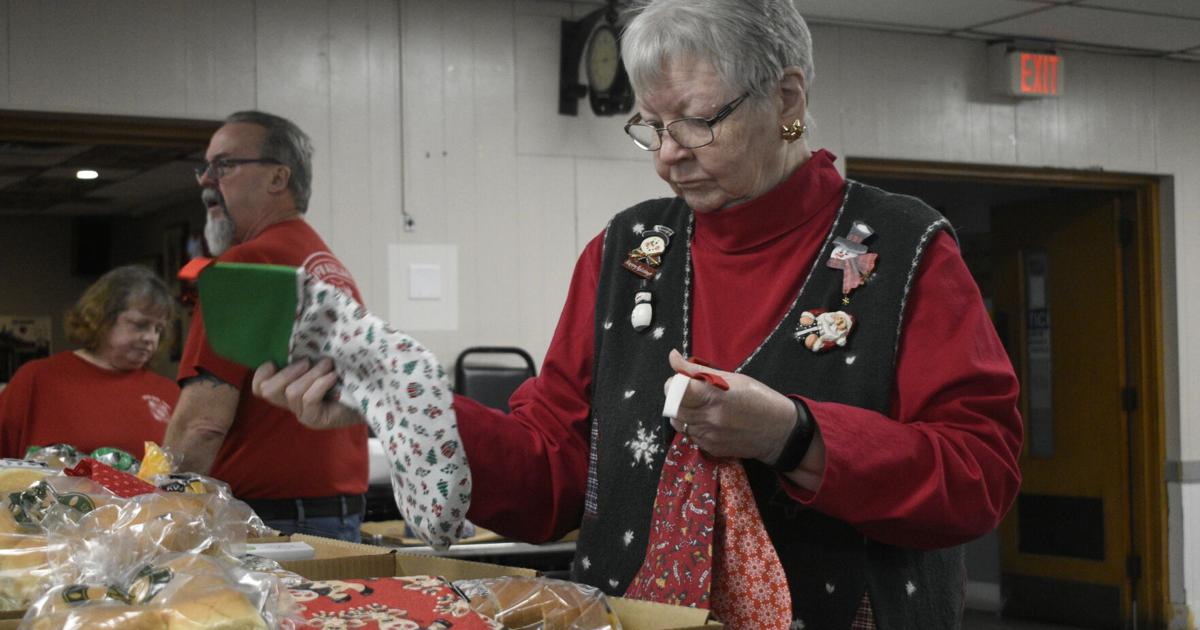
856, 419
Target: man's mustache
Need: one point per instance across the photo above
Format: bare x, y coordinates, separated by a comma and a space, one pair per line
210, 197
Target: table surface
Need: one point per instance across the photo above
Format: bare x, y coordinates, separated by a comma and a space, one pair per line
483, 543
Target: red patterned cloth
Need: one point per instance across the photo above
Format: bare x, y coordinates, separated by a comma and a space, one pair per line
419, 601
678, 565
750, 589
708, 546
119, 483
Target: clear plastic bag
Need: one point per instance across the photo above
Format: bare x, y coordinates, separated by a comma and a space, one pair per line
529, 603
18, 474
180, 591
140, 530
30, 559
55, 455
25, 568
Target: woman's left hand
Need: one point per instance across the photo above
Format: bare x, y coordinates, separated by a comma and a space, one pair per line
747, 421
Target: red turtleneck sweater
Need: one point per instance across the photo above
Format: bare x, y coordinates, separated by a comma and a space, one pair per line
939, 469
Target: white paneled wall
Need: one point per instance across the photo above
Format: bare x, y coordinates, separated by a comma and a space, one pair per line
448, 110
490, 165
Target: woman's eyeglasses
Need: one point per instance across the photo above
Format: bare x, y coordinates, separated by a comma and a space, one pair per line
692, 132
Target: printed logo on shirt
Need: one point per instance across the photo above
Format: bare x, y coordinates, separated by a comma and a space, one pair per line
158, 407
324, 267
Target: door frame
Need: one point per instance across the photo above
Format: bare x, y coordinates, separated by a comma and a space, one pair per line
1144, 309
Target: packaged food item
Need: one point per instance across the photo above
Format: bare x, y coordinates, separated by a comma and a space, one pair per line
54, 455
187, 482
183, 591
18, 474
118, 482
156, 461
25, 569
115, 457
534, 603
56, 499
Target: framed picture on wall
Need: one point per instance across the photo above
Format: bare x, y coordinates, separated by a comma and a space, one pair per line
22, 339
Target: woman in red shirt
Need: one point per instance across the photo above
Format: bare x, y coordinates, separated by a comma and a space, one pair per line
101, 394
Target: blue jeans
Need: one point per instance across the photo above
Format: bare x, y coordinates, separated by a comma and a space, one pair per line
345, 527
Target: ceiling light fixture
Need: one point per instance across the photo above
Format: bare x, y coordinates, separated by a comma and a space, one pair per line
86, 174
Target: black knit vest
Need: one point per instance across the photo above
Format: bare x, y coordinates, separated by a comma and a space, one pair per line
829, 564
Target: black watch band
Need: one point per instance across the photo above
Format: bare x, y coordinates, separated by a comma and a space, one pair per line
798, 440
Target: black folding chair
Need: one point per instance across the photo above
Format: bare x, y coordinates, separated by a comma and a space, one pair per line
492, 381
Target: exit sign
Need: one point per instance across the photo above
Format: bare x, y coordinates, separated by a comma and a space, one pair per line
1027, 73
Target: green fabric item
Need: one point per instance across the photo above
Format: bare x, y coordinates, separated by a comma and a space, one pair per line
249, 311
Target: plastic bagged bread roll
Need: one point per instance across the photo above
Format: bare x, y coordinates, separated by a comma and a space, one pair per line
163, 522
18, 474
205, 597
185, 592
113, 616
527, 603
25, 569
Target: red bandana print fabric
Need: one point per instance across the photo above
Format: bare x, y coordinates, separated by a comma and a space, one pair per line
708, 545
678, 565
410, 602
119, 483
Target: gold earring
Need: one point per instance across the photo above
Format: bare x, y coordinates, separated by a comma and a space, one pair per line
792, 132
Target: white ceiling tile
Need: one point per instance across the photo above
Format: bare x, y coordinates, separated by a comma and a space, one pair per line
932, 14
1182, 8
1103, 27
162, 180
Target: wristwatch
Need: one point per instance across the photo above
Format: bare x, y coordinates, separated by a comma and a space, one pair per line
798, 440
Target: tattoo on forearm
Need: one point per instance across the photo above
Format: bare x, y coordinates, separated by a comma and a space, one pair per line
206, 378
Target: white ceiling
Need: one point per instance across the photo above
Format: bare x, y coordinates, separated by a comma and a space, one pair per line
1158, 28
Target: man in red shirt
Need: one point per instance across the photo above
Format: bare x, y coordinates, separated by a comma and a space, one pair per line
256, 185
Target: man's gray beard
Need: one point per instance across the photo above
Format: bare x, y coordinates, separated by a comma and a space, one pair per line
218, 233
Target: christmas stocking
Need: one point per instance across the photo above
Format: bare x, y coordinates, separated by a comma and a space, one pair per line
255, 313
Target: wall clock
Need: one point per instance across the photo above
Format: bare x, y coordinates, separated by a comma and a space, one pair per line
594, 41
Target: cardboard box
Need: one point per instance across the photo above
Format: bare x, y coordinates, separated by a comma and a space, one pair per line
335, 559
327, 548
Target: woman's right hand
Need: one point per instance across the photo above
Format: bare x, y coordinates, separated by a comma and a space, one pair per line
302, 388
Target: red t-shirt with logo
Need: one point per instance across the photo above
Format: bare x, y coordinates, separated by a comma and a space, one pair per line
267, 453
65, 399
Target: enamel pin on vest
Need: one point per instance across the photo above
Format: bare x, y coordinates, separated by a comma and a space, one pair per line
820, 331
851, 256
644, 261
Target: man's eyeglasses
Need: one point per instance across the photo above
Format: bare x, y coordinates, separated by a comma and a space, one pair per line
217, 169
692, 132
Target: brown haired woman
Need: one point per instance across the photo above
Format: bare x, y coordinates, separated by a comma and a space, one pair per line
101, 394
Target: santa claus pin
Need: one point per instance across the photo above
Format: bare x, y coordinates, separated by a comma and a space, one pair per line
820, 331
851, 256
